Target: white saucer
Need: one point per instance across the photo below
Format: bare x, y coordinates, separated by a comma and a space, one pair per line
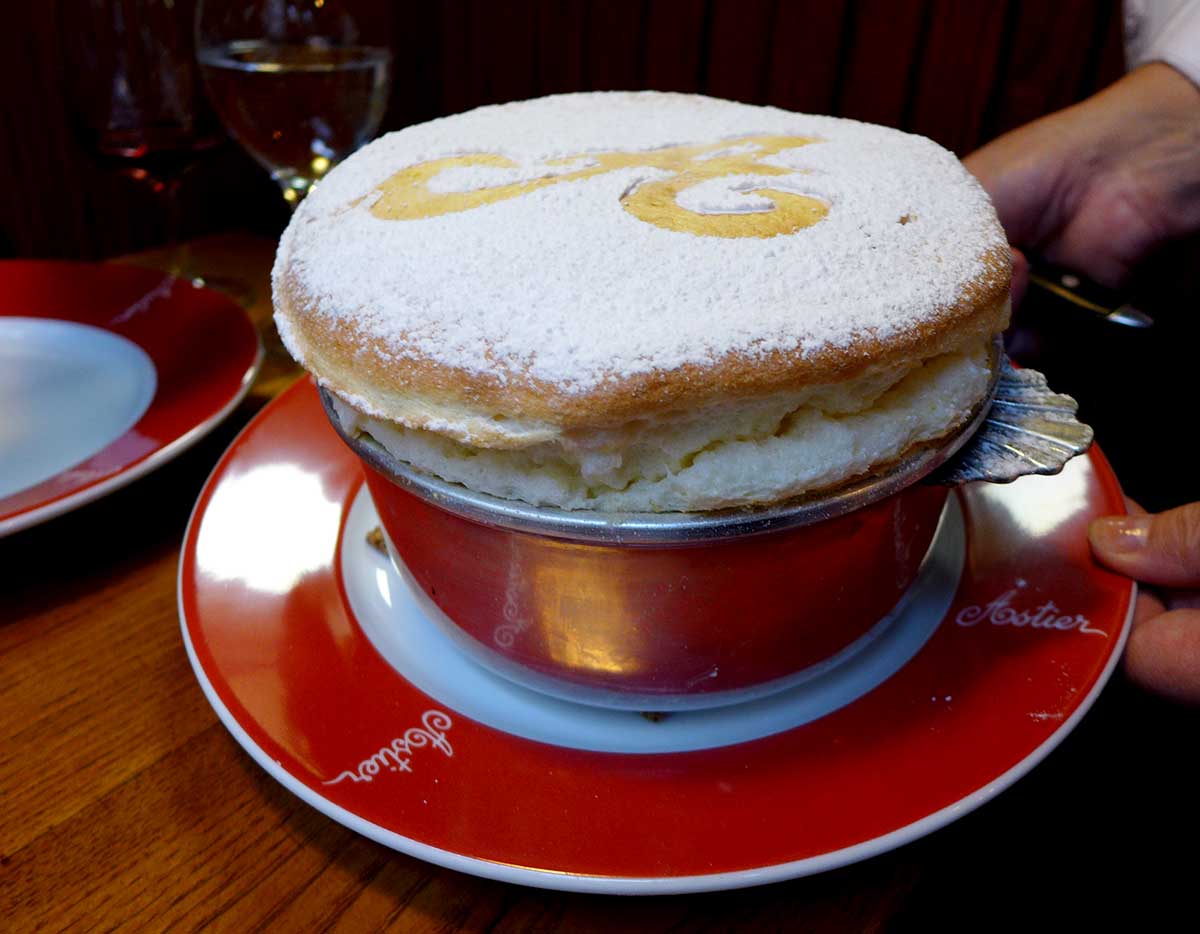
387, 606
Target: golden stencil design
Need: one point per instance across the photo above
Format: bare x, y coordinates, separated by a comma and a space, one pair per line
406, 195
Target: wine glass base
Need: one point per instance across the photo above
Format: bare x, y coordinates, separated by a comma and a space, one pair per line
295, 188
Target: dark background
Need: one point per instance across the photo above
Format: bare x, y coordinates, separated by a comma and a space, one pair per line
958, 71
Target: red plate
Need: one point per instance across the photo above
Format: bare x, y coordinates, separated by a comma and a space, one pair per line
204, 351
1031, 635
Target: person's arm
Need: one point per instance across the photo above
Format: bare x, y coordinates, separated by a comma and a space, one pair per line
1099, 186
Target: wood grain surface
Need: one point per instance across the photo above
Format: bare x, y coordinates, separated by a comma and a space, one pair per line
124, 804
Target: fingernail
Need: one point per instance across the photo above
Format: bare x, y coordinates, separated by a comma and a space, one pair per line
1121, 534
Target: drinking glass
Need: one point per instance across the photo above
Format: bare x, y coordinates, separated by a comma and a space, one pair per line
300, 84
134, 94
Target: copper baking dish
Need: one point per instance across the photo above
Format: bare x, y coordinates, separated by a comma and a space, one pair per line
666, 611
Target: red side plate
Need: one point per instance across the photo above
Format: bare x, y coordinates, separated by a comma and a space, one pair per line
204, 349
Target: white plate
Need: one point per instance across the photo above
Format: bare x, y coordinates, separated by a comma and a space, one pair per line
67, 390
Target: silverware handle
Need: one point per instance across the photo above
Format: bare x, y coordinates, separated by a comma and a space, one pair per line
1083, 293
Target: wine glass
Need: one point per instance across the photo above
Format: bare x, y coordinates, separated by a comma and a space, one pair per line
134, 94
300, 84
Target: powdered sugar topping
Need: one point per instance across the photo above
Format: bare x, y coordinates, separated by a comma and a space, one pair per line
562, 284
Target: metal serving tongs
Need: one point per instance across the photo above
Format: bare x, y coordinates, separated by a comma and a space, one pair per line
1083, 293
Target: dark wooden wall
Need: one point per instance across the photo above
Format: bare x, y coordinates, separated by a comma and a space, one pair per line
959, 71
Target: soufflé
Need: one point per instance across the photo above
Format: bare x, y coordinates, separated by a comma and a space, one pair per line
646, 302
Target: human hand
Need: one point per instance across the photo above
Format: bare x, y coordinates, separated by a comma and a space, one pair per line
1163, 653
1099, 186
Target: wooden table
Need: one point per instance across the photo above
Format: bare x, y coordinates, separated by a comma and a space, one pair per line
124, 802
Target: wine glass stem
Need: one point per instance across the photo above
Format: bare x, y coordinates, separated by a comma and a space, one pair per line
294, 187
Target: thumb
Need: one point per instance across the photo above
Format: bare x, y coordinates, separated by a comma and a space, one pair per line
1162, 549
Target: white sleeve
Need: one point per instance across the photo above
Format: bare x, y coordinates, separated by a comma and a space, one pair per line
1164, 31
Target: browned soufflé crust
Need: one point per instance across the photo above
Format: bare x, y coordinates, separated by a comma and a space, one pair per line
352, 364
355, 365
